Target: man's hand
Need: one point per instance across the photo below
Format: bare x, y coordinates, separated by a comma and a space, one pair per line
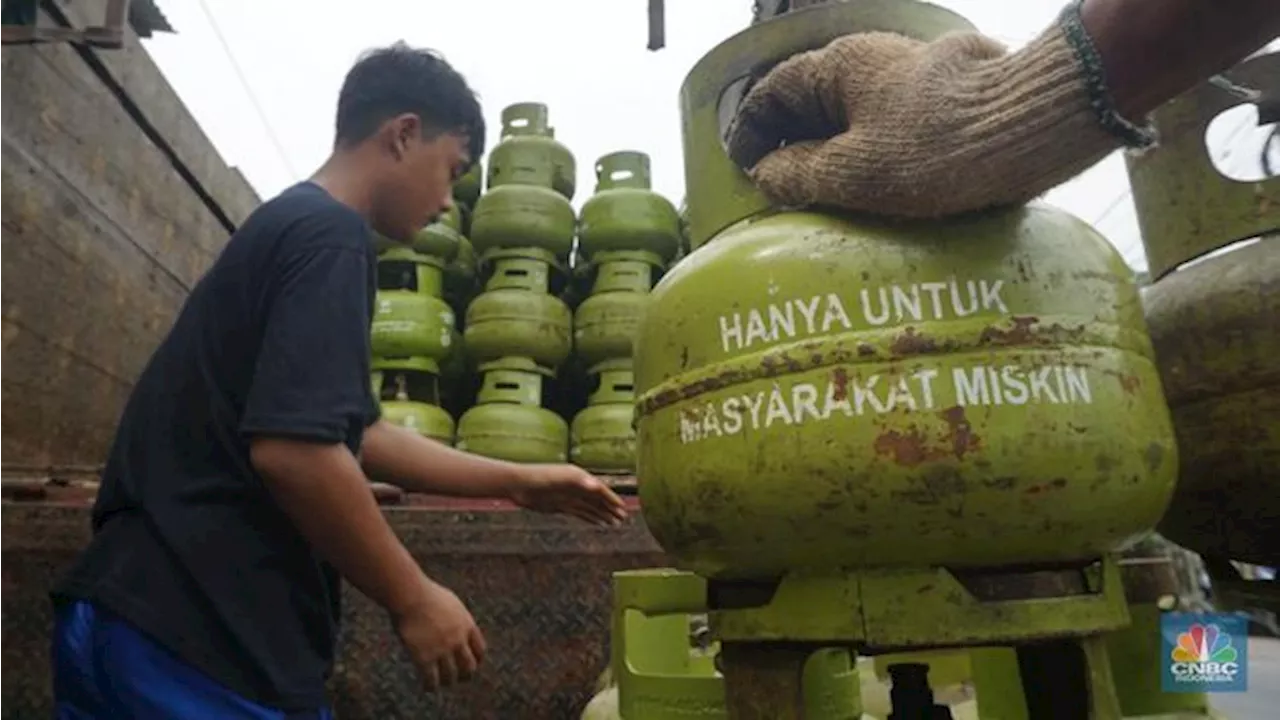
884, 124
873, 122
441, 636
569, 490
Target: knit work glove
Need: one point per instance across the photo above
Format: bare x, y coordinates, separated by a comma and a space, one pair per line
877, 122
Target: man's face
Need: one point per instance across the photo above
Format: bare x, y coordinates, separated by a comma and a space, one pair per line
420, 178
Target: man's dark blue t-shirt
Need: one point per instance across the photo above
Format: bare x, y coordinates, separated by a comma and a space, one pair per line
188, 545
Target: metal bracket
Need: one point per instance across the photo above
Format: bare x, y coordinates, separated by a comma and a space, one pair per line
108, 36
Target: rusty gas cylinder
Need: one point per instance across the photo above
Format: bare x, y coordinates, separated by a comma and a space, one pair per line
979, 393
818, 391
1214, 312
1217, 331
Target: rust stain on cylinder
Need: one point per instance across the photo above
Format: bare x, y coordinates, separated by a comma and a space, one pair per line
963, 439
1055, 484
913, 447
1019, 334
910, 342
907, 448
839, 384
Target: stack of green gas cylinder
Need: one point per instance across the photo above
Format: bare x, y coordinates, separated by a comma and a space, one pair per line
515, 316
414, 335
627, 236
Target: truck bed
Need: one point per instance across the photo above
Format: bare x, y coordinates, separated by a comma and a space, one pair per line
537, 585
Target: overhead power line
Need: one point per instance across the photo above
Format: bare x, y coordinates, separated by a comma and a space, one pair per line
248, 91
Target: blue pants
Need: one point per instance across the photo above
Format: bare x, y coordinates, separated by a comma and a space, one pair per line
104, 669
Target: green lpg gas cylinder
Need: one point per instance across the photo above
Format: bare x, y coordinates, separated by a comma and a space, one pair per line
466, 191
526, 217
529, 154
1216, 327
625, 215
508, 421
817, 390
1213, 310
515, 317
602, 438
442, 238
410, 319
604, 325
409, 395
981, 393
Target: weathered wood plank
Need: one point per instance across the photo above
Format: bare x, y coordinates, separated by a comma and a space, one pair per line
133, 69
102, 240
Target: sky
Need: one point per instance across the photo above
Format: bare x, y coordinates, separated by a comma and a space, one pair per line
262, 78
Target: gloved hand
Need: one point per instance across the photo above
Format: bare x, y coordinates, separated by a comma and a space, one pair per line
877, 122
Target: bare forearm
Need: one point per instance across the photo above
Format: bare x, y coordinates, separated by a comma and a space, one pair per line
403, 458
322, 489
1153, 50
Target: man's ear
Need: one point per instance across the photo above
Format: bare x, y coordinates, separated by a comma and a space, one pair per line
404, 129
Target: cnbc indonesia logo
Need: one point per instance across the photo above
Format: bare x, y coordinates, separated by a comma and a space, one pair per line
1204, 655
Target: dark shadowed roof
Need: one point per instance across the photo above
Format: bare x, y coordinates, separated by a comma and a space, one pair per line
145, 18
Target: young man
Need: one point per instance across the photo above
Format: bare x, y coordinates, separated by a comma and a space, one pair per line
236, 490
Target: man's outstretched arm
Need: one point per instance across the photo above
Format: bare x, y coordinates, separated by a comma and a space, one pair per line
403, 458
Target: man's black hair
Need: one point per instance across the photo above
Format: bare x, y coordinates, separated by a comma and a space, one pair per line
400, 79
